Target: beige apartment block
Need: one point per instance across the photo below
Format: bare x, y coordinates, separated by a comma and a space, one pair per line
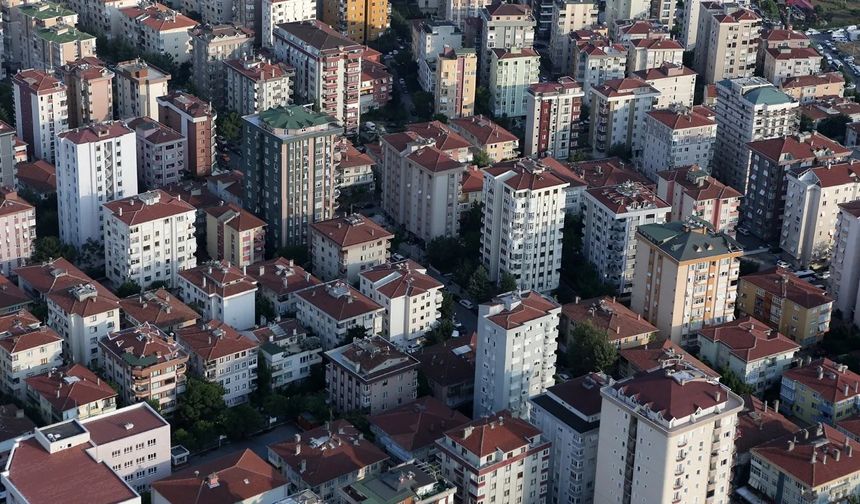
779, 38
675, 82
211, 47
256, 84
344, 247
686, 277
355, 169
486, 136
235, 235
693, 193
357, 20
783, 63
60, 44
732, 36
568, 16
25, 21
456, 81
809, 88
618, 111
677, 137
596, 63
89, 87
41, 112
650, 53
138, 84
619, 10
154, 28
27, 348
18, 225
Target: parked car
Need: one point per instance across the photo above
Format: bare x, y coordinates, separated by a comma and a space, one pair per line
783, 264
744, 231
465, 303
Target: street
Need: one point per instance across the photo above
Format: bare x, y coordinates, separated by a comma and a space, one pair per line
257, 444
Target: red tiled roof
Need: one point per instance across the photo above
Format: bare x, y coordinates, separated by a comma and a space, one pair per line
581, 393
813, 80
795, 150
850, 425
677, 120
781, 35
11, 295
38, 82
129, 421
748, 339
758, 424
667, 70
621, 87
652, 356
627, 197
606, 172
837, 174
159, 307
147, 207
659, 44
22, 331
812, 459
219, 278
601, 48
525, 52
372, 358
187, 103
783, 283
418, 424
194, 192
68, 287
239, 477
446, 138
281, 276
785, 53
501, 432
472, 181
159, 17
607, 314
483, 130
530, 306
404, 278
442, 365
527, 174
11, 203
338, 300
40, 176
737, 16
337, 450
351, 230
236, 217
698, 184
852, 207
352, 157
154, 132
214, 339
259, 70
14, 422
98, 132
70, 387
508, 9
145, 345
434, 160
837, 382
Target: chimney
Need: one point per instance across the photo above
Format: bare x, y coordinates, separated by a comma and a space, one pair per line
820, 372
212, 480
814, 457
790, 445
846, 389
776, 405
837, 454
298, 449
849, 448
303, 466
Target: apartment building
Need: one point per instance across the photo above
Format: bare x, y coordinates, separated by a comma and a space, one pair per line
523, 218
552, 118
275, 12
675, 82
160, 153
12, 298
220, 292
512, 71
8, 151
430, 39
211, 47
686, 277
509, 453
619, 108
299, 138
568, 414
748, 109
220, 354
328, 68
89, 89
785, 468
360, 21
648, 53
27, 348
769, 162
812, 198
138, 84
732, 35
656, 355
195, 120
288, 351
750, 349
845, 261
235, 235
159, 308
793, 306
411, 299
486, 136
344, 247
619, 10
104, 18
41, 112
450, 370
568, 16
279, 280
515, 352
584, 175
693, 194
820, 391
146, 365
410, 480
69, 392
808, 88
376, 82
784, 62
306, 460
355, 170
370, 376
612, 216
22, 24
596, 63
504, 26
622, 327
678, 415
255, 84
60, 44
677, 137
18, 225
333, 308
40, 177
409, 432
420, 178
455, 82
154, 28
96, 164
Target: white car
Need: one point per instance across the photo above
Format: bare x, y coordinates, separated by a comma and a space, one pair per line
465, 303
783, 264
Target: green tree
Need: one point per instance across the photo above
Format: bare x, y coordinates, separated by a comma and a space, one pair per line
507, 283
443, 252
589, 350
834, 127
298, 253
7, 102
440, 332
446, 309
423, 102
230, 126
50, 247
620, 150
128, 288
748, 266
264, 308
442, 118
241, 421
482, 159
483, 104
158, 284
264, 380
732, 381
356, 332
153, 403
201, 401
479, 285
281, 406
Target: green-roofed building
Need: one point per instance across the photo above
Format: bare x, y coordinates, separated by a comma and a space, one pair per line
25, 23
686, 277
407, 482
748, 109
290, 156
57, 45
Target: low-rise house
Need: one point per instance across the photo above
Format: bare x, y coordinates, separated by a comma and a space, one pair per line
327, 458
343, 247
486, 136
409, 432
159, 308
655, 355
758, 423
27, 348
330, 310
355, 169
808, 88
449, 368
288, 351
370, 375
146, 365
14, 424
828, 108
279, 280
755, 353
220, 291
12, 298
820, 390
408, 482
220, 354
235, 235
70, 392
623, 327
38, 177
238, 477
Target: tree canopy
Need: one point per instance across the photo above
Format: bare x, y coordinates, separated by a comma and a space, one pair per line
589, 350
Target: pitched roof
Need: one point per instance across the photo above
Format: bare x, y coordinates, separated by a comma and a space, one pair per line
787, 53
97, 132
486, 435
14, 422
483, 130
351, 230
508, 9
123, 423
515, 309
446, 138
623, 87
607, 314
833, 175
472, 181
758, 423
235, 217
418, 424
449, 363
563, 85
351, 157
512, 53
748, 339
698, 184
214, 339
67, 286
154, 132
526, 173
606, 172
628, 197
11, 295
37, 81
782, 35
338, 300
434, 160
682, 241
372, 358
142, 346
39, 175
581, 393
187, 103
399, 279
22, 331
159, 17
238, 477
11, 203
832, 381
667, 70
158, 307
70, 387
219, 278
783, 283
147, 207
318, 35
281, 276
799, 148
652, 355
678, 119
813, 80
260, 70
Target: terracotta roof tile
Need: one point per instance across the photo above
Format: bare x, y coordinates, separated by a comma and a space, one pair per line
351, 230
797, 149
399, 279
281, 276
338, 300
11, 295
527, 306
40, 176
147, 207
159, 17
158, 307
836, 383
434, 160
678, 120
214, 339
68, 287
813, 80
628, 197
748, 339
758, 424
483, 130
446, 138
236, 217
219, 278
502, 432
143, 346
607, 314
582, 393
23, 331
528, 173
95, 132
783, 283
352, 157
11, 204
418, 424
783, 53
472, 181
38, 82
698, 184
652, 356
70, 387
319, 35
260, 70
